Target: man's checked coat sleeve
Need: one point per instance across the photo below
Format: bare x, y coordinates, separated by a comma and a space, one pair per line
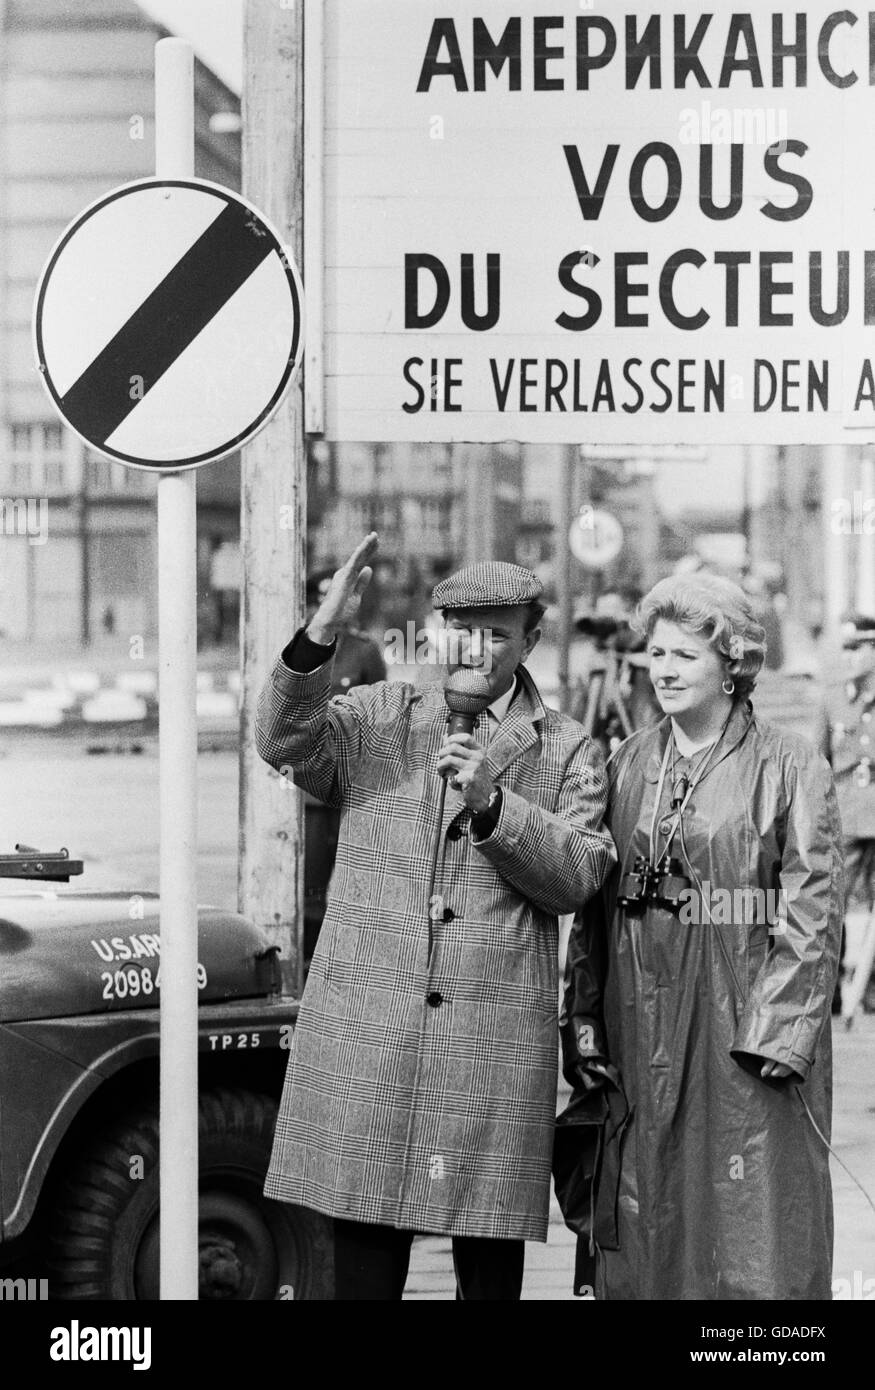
298, 729
556, 859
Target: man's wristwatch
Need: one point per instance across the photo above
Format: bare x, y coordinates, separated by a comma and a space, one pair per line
485, 821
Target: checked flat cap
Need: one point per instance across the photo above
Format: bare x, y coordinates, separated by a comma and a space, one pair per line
489, 584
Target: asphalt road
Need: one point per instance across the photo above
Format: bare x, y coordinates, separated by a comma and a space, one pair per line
104, 808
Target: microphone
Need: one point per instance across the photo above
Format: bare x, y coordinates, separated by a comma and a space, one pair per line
467, 693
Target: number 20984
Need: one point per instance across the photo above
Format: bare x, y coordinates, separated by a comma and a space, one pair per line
132, 982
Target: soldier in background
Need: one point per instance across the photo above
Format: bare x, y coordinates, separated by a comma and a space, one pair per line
847, 740
358, 661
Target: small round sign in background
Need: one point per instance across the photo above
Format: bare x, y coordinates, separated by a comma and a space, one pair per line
595, 538
168, 323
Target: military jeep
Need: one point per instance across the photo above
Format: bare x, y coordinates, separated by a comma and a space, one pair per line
80, 980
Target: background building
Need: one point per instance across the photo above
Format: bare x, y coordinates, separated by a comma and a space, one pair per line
435, 506
76, 120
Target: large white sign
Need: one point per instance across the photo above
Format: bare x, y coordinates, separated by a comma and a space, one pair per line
592, 222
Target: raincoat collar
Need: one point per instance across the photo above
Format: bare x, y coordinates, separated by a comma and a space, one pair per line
740, 720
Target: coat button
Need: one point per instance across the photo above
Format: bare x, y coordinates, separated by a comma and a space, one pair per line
435, 999
454, 832
449, 914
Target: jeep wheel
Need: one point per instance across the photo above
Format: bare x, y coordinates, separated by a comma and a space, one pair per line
104, 1240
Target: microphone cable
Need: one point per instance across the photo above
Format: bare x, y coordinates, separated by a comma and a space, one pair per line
822, 1137
432, 878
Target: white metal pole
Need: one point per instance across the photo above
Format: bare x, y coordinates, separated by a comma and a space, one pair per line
177, 660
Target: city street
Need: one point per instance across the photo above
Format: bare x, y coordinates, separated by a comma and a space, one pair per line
105, 809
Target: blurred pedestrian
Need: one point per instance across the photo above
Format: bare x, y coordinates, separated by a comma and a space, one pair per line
846, 736
769, 616
613, 696
704, 973
420, 1094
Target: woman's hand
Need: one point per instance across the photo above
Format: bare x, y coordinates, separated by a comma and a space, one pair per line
775, 1071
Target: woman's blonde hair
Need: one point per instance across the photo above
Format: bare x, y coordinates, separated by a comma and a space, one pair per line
717, 610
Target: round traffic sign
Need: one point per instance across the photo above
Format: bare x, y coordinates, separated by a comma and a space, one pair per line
168, 323
595, 538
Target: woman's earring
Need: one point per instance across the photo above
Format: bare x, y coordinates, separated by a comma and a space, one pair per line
728, 686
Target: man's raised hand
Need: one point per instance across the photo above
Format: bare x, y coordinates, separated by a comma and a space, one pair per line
343, 598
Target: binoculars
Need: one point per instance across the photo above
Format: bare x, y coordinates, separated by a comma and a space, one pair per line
657, 885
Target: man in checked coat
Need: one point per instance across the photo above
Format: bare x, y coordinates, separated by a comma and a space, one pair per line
420, 1094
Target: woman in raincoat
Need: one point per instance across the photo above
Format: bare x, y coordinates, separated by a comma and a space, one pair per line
704, 975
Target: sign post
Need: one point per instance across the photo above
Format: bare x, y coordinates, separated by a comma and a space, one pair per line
570, 463
168, 329
273, 486
177, 664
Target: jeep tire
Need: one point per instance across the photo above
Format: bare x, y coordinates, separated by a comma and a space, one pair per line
104, 1233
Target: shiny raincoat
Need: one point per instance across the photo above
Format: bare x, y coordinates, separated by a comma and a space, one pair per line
713, 1182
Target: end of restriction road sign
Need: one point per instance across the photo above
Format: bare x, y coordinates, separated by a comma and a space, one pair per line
168, 323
